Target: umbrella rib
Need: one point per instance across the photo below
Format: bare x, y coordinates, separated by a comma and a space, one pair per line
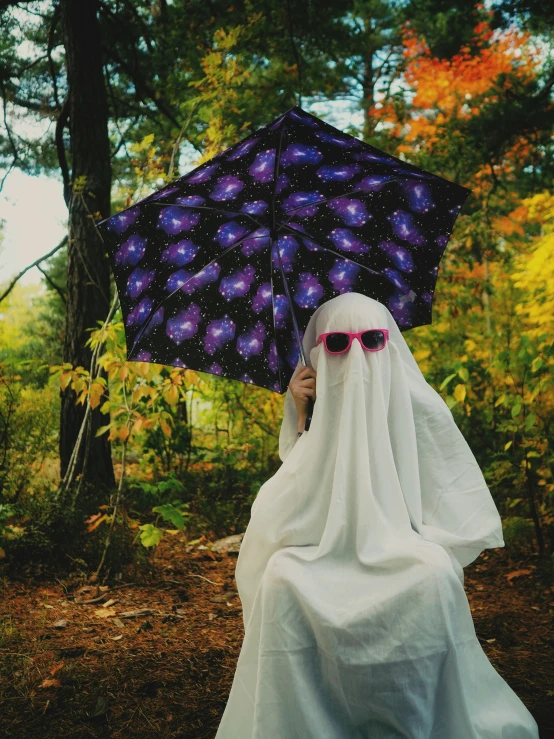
207, 207
327, 248
219, 256
342, 195
272, 230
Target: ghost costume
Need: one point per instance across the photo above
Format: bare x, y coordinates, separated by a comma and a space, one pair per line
350, 573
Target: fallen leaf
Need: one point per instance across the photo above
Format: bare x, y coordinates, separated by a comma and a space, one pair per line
50, 683
56, 668
117, 638
517, 573
105, 612
118, 622
136, 614
61, 624
109, 603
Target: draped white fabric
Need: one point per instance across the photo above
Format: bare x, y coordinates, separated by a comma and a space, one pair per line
350, 574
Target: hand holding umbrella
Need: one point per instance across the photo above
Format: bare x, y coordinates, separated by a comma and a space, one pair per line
303, 390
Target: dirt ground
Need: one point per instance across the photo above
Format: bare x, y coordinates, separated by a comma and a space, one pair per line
71, 668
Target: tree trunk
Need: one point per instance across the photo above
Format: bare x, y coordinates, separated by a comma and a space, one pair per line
88, 275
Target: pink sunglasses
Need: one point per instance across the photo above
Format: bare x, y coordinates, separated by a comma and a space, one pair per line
338, 342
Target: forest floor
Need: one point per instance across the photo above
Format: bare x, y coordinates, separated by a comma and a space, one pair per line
74, 669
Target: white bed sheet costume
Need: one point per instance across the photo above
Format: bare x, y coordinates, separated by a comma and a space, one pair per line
357, 625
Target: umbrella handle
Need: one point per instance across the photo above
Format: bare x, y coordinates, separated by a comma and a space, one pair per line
309, 416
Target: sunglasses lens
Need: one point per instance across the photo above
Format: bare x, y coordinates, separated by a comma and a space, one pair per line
373, 339
337, 342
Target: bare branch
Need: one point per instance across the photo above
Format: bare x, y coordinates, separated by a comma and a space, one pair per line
10, 287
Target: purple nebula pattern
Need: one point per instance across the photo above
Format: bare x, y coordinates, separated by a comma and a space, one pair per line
178, 279
140, 313
419, 195
343, 274
282, 183
353, 212
227, 188
338, 172
255, 207
132, 251
399, 255
242, 149
229, 233
272, 358
262, 299
282, 311
256, 242
295, 202
288, 246
310, 245
173, 220
297, 154
308, 291
156, 319
218, 333
374, 182
344, 239
191, 200
304, 119
215, 369
402, 307
143, 356
246, 378
202, 175
276, 387
122, 221
375, 157
441, 240
330, 138
178, 362
164, 192
404, 226
293, 354
184, 325
397, 279
238, 284
251, 343
138, 281
180, 253
263, 167
202, 278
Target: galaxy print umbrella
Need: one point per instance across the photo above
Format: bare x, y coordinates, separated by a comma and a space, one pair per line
220, 270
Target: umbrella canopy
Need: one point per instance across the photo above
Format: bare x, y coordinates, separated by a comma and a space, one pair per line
220, 270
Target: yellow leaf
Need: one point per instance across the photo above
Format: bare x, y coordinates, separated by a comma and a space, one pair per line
166, 428
507, 445
123, 433
2, 553
123, 373
460, 392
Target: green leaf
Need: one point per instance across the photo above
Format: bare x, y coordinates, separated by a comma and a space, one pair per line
150, 535
102, 430
514, 502
447, 380
530, 420
516, 410
507, 445
464, 374
169, 513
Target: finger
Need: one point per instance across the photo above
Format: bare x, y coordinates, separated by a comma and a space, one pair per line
305, 372
310, 382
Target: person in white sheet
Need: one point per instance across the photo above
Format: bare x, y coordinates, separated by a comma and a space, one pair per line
350, 573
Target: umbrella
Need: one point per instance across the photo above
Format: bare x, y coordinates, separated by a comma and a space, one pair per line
221, 269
